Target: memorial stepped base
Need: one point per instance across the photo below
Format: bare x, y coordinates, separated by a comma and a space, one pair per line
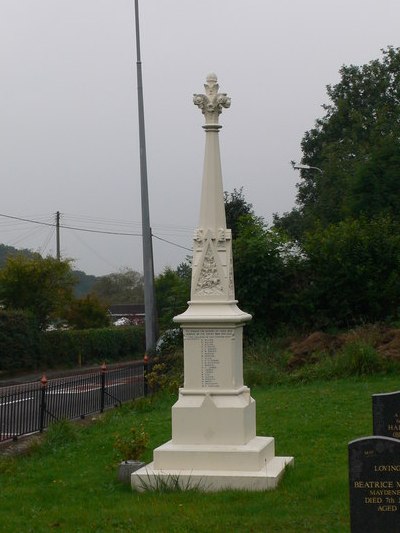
251, 466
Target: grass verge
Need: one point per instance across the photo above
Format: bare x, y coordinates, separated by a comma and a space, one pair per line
69, 483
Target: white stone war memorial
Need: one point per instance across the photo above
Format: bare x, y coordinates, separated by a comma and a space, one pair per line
214, 444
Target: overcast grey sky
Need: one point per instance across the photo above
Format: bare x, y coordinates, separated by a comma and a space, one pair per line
68, 110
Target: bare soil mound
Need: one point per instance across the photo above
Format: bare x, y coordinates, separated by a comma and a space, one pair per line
307, 350
389, 347
384, 339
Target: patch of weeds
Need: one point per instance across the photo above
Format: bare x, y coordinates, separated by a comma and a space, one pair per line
58, 435
144, 405
357, 359
169, 483
131, 446
265, 362
260, 375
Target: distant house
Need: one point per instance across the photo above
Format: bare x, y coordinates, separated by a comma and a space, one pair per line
132, 312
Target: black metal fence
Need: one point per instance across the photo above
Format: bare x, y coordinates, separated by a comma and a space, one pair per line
31, 407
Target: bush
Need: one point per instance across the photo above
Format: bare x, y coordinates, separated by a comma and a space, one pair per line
357, 359
354, 272
131, 446
19, 341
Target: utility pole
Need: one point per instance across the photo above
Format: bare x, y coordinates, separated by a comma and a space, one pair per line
148, 265
58, 253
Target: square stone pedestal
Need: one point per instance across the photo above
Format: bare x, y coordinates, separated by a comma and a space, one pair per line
214, 446
252, 466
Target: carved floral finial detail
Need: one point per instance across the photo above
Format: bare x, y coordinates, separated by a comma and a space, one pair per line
212, 102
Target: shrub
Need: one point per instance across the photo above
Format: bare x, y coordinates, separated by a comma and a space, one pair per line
357, 359
19, 341
131, 446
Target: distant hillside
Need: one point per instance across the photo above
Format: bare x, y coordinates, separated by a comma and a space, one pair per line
5, 251
85, 281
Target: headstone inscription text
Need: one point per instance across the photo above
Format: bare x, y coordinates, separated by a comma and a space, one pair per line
210, 351
374, 476
386, 414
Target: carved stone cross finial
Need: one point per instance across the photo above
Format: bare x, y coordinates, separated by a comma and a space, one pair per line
212, 102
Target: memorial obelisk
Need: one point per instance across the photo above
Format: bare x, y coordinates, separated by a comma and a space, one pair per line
214, 444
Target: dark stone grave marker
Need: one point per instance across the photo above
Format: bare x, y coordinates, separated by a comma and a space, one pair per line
374, 475
386, 414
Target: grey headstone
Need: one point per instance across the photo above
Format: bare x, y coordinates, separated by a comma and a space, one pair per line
386, 414
374, 476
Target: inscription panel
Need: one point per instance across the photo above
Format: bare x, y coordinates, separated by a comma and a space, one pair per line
374, 477
210, 347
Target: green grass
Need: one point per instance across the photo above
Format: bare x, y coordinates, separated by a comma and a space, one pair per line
69, 484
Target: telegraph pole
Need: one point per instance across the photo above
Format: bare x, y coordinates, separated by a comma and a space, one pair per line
58, 253
148, 265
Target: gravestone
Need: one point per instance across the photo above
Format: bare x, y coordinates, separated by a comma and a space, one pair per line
386, 414
374, 475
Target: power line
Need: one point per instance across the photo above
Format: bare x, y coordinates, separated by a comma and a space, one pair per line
88, 230
173, 243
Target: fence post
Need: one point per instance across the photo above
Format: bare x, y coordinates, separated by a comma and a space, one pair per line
43, 383
103, 386
145, 372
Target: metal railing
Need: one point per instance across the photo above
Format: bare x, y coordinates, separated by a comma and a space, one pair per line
31, 407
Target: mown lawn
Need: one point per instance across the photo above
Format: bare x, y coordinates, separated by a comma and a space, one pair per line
70, 484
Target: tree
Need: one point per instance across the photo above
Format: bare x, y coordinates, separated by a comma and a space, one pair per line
354, 271
87, 312
41, 286
375, 187
236, 207
124, 287
356, 144
264, 266
19, 341
173, 293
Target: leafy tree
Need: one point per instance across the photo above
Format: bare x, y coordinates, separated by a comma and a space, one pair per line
124, 287
375, 188
87, 312
19, 341
264, 266
41, 286
356, 144
236, 207
172, 294
354, 271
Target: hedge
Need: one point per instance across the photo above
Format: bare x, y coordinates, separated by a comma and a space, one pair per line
23, 347
70, 348
19, 341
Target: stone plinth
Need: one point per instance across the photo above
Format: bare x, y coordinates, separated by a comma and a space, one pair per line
252, 466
